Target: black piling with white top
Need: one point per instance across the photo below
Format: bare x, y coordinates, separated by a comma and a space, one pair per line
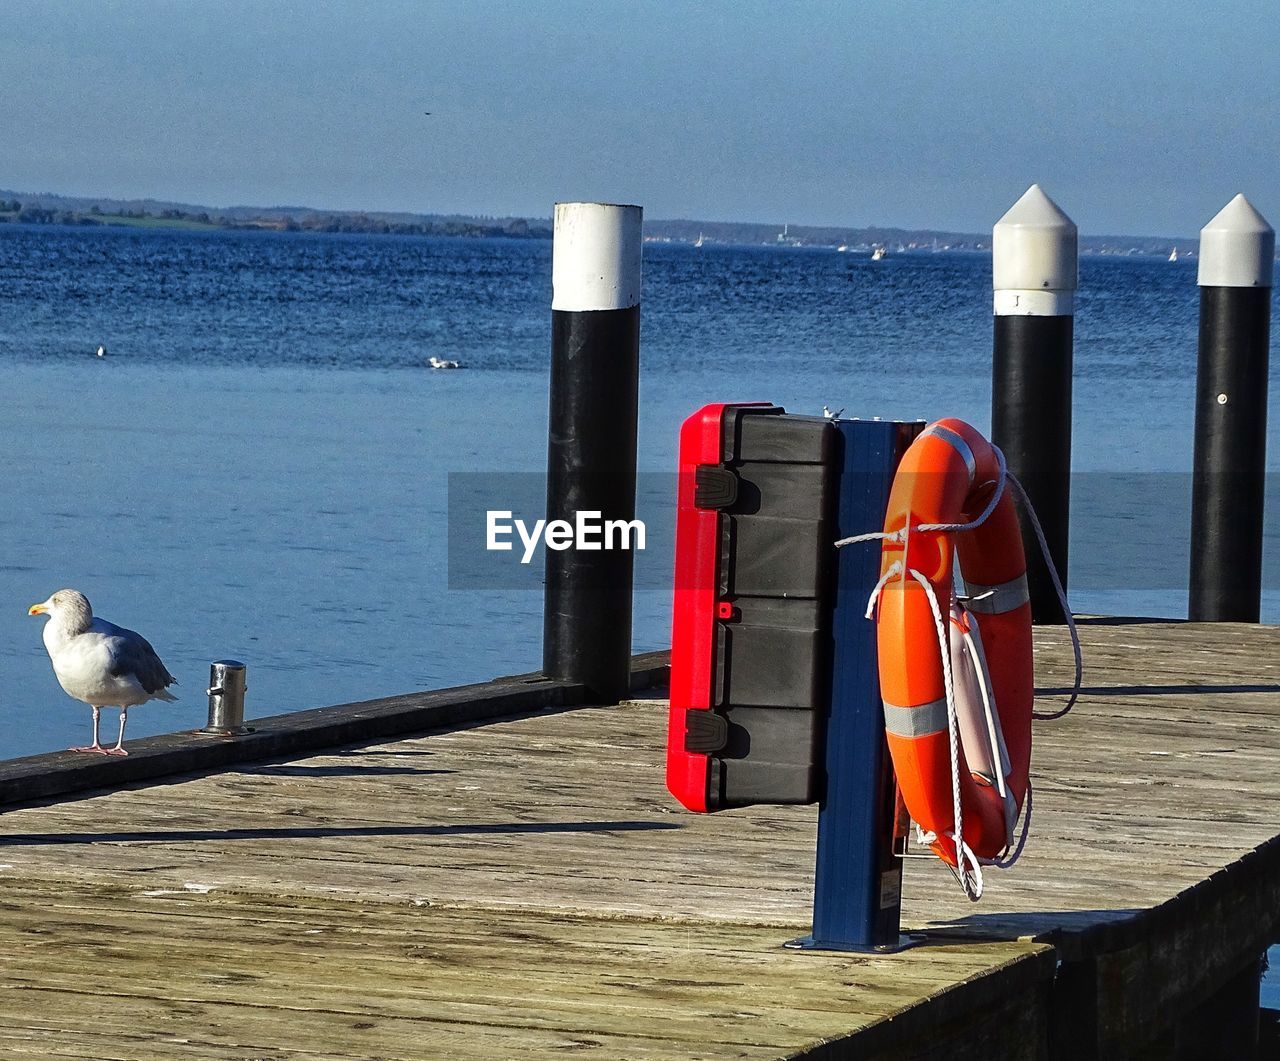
591, 450
1034, 269
1237, 264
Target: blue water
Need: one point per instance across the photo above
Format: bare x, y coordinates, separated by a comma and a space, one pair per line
258, 468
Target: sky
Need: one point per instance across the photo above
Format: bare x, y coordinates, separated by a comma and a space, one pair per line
1137, 118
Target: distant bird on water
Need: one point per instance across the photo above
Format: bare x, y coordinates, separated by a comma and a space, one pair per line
102, 350
100, 663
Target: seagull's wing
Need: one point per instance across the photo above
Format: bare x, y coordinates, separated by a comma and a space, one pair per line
131, 654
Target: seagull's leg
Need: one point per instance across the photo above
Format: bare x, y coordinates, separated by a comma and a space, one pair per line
119, 748
96, 746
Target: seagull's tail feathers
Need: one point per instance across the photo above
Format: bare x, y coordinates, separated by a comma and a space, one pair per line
165, 695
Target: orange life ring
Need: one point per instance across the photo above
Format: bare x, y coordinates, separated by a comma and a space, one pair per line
948, 476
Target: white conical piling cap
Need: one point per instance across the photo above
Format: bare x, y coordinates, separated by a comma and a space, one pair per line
1237, 248
595, 256
1034, 258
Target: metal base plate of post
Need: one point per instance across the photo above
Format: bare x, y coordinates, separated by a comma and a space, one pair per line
809, 943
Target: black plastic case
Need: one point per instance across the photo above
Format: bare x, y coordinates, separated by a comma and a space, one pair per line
775, 491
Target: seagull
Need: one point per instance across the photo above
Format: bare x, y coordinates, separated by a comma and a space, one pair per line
829, 414
440, 362
100, 663
102, 350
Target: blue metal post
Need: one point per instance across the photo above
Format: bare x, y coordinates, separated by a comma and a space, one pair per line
858, 884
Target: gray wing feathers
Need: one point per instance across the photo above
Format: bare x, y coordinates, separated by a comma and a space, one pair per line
131, 653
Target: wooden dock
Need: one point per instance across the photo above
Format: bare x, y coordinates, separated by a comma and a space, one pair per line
525, 887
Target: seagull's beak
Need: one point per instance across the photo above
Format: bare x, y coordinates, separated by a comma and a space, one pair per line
38, 609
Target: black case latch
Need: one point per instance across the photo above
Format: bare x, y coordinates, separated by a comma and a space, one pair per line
715, 486
705, 732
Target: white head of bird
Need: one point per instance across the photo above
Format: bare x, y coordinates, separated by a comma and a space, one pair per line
100, 663
69, 611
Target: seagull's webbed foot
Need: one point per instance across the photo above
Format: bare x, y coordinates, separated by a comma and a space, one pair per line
91, 748
117, 750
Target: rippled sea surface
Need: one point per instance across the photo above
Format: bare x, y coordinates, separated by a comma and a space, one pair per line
258, 467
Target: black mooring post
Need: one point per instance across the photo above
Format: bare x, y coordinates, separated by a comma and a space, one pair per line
591, 448
1237, 251
1031, 370
1034, 266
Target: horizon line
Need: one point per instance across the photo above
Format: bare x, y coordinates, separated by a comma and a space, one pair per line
366, 212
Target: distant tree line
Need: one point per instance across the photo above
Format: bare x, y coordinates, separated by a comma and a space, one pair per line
38, 215
311, 222
361, 223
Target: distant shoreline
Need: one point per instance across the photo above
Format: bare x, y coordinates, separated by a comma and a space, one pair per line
69, 211
156, 224
33, 211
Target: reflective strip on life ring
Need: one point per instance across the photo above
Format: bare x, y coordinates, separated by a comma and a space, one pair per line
923, 720
957, 443
994, 600
946, 477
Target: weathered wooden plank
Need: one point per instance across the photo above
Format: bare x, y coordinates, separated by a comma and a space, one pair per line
63, 773
1163, 776
474, 816
324, 978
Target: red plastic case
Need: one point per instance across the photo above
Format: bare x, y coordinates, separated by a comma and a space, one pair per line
751, 618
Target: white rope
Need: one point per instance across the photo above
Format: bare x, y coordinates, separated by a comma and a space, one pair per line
969, 872
1004, 862
1049, 716
895, 568
1004, 478
972, 886
874, 536
964, 855
998, 493
900, 535
968, 868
